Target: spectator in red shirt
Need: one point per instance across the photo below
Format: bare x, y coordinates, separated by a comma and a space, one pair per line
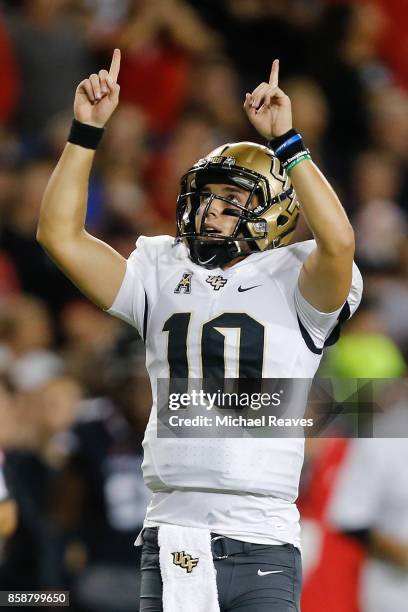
159, 39
9, 78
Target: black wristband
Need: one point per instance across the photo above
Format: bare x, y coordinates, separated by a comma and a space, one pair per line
85, 135
287, 146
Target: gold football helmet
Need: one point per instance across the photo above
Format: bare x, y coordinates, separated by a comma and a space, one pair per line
266, 221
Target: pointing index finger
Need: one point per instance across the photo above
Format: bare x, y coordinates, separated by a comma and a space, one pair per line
274, 76
115, 65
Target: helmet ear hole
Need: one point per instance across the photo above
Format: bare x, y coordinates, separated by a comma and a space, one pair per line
282, 220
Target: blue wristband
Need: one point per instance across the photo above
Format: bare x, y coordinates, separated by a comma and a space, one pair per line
287, 143
287, 146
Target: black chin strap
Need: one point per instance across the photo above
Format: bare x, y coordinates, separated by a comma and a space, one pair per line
212, 256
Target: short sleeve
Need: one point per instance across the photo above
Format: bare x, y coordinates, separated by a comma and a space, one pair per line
359, 489
138, 292
130, 302
323, 328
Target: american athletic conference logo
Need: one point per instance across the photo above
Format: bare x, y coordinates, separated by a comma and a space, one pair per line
184, 560
184, 285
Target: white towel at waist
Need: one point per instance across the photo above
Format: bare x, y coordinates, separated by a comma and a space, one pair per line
187, 569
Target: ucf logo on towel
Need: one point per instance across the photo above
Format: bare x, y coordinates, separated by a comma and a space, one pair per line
185, 561
184, 574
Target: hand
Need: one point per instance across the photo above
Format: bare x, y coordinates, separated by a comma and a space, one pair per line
97, 97
268, 108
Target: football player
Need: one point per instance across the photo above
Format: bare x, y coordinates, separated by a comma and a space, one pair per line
228, 296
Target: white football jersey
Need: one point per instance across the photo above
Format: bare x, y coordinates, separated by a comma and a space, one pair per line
371, 493
248, 321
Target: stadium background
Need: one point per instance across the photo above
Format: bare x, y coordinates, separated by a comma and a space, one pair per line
74, 398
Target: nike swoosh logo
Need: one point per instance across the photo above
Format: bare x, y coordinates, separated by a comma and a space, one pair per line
241, 289
207, 260
260, 573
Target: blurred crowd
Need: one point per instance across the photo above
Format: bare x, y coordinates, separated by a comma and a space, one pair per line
74, 397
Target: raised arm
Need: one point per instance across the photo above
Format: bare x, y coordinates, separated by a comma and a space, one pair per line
93, 266
325, 278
